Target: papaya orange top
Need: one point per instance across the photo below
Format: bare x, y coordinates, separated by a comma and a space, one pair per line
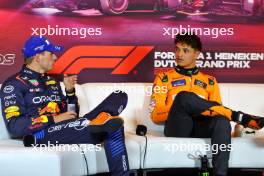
175, 81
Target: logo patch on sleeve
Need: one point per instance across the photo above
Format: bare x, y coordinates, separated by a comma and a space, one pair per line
200, 83
11, 109
165, 78
34, 82
50, 82
12, 114
176, 83
211, 81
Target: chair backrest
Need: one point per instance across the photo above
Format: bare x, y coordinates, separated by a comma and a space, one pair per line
245, 97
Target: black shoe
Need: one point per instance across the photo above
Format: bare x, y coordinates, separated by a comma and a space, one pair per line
247, 120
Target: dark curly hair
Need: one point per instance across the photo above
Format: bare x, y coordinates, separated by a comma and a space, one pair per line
190, 39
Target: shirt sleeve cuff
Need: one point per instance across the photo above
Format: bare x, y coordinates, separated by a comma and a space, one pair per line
71, 93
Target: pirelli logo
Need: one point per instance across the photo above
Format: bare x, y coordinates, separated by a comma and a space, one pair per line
122, 59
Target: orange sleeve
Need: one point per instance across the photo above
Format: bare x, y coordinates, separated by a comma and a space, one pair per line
159, 110
214, 95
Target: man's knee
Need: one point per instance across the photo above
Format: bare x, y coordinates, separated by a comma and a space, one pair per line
121, 95
222, 124
184, 97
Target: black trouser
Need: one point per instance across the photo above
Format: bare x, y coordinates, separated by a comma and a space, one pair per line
185, 120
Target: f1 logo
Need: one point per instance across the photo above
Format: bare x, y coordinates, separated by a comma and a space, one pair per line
121, 58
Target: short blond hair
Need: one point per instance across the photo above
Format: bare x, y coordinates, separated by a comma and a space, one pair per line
29, 60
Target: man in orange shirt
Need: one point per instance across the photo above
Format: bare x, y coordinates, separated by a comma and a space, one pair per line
192, 106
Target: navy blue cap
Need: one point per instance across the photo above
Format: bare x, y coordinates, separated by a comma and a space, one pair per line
38, 44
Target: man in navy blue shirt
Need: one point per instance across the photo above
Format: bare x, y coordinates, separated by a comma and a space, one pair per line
33, 104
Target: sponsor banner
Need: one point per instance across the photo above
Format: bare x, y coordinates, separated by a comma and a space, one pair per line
107, 63
130, 41
7, 59
226, 66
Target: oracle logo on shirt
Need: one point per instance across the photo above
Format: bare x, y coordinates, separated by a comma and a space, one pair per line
45, 99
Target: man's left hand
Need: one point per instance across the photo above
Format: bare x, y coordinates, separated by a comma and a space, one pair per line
69, 82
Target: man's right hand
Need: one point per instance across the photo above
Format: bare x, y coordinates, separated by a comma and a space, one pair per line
65, 116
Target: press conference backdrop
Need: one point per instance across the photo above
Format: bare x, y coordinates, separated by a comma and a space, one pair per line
131, 41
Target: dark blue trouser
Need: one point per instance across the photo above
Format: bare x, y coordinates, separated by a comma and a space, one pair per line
75, 132
185, 120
